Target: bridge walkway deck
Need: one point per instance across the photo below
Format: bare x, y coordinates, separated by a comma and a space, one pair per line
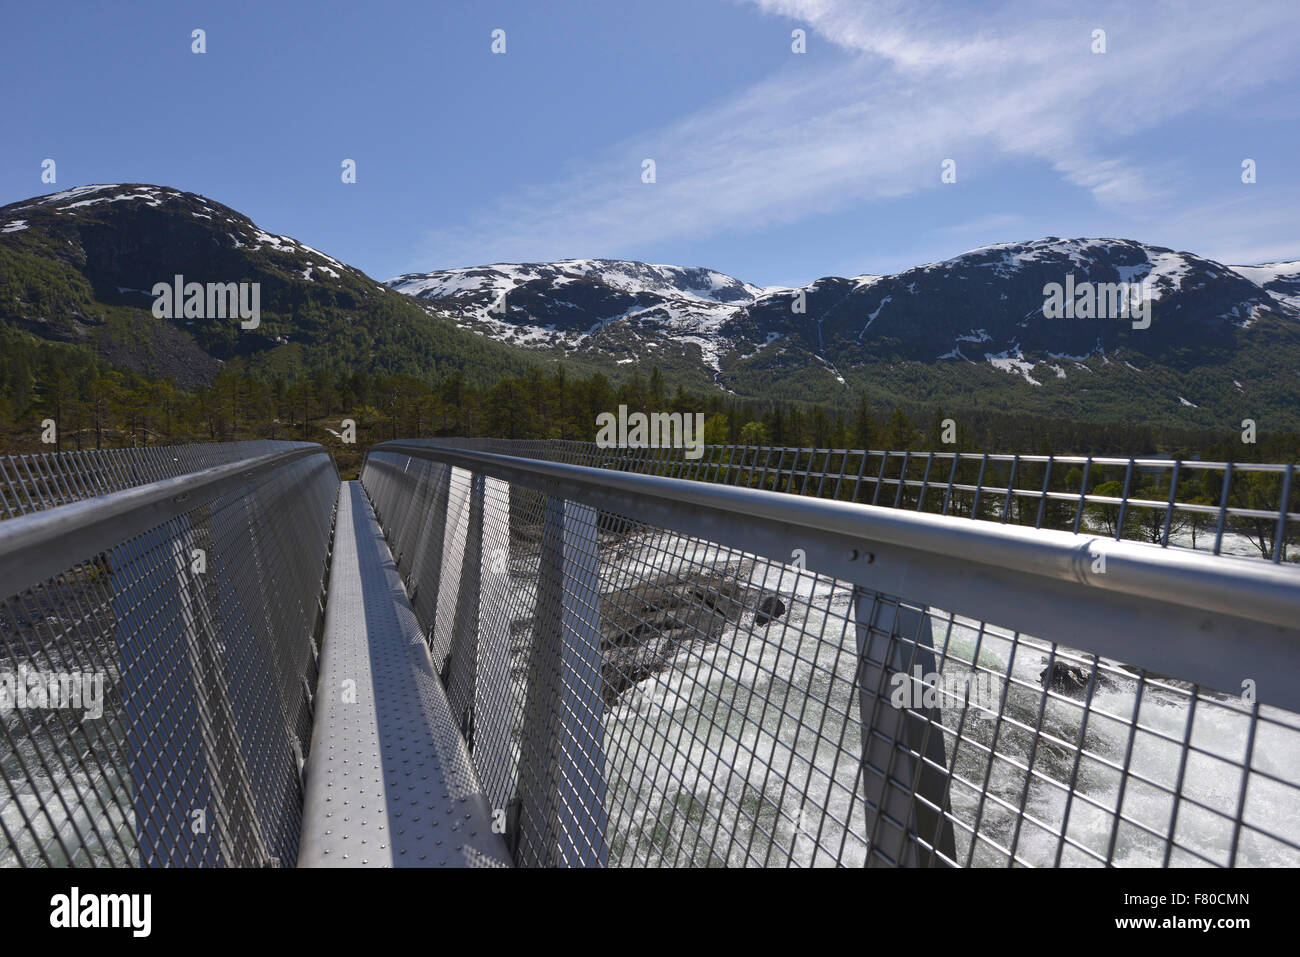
388, 778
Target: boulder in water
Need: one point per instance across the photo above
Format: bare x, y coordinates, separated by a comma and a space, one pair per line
770, 608
1066, 677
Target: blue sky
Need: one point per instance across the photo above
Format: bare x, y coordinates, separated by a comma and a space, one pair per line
772, 166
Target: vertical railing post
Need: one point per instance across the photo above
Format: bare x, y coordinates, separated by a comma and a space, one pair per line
461, 666
492, 687
455, 533
429, 542
892, 639
562, 765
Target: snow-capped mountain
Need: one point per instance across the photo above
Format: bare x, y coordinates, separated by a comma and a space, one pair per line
79, 266
1281, 280
1222, 343
240, 230
587, 304
482, 285
984, 306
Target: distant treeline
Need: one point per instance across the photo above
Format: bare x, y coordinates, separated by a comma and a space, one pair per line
96, 406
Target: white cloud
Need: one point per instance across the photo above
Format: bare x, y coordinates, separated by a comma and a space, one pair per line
906, 86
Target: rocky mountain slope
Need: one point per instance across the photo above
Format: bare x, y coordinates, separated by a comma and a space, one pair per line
1221, 340
80, 266
1222, 344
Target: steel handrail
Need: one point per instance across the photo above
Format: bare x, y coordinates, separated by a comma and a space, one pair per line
39, 545
1074, 586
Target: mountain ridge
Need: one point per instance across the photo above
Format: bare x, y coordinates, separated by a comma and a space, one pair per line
78, 265
456, 288
982, 307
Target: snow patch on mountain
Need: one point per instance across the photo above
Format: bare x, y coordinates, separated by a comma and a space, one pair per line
621, 306
1013, 360
75, 198
1279, 280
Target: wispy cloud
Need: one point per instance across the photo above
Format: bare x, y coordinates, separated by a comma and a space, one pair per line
919, 84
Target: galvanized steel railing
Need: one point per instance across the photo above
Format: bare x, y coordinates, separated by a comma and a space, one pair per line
752, 668
158, 611
1242, 508
659, 660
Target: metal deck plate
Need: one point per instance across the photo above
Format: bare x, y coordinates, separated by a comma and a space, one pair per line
389, 779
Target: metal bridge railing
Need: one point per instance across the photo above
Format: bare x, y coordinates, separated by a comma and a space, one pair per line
747, 660
158, 611
1242, 508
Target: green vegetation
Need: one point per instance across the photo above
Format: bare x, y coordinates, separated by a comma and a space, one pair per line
79, 345
1123, 386
99, 406
96, 406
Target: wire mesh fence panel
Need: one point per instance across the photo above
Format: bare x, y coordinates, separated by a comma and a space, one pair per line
33, 482
157, 693
636, 695
1249, 509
